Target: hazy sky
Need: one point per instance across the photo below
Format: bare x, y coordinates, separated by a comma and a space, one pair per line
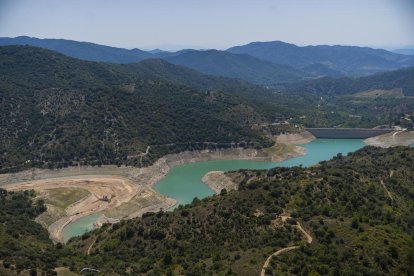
172, 24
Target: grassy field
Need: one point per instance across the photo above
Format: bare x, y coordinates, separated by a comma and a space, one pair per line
63, 197
57, 200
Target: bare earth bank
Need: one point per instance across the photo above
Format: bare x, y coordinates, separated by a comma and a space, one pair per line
396, 138
218, 180
141, 198
285, 148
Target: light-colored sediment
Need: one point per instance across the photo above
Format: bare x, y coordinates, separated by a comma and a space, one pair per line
303, 137
284, 148
130, 188
392, 139
218, 180
118, 190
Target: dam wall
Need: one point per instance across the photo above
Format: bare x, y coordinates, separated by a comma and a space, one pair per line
347, 133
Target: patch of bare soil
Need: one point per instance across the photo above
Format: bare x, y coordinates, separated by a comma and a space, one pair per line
396, 138
303, 137
218, 180
107, 193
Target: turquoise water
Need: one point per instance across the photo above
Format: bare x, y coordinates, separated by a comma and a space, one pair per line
183, 183
80, 226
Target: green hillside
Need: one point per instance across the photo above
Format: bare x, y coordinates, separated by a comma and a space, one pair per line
58, 110
403, 78
81, 50
24, 244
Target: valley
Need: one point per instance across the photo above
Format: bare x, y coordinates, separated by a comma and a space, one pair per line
127, 191
252, 158
132, 192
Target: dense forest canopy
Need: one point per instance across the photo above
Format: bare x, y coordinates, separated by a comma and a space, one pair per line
56, 109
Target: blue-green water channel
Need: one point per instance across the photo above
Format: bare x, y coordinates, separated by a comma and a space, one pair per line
80, 226
183, 183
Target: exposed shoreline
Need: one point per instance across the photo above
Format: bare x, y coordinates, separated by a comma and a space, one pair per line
118, 190
147, 177
396, 138
218, 180
286, 146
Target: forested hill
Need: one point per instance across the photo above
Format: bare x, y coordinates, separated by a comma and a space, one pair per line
249, 68
358, 210
403, 78
264, 63
57, 110
214, 62
81, 50
165, 71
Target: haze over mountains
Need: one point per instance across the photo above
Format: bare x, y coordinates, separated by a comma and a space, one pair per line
346, 60
408, 52
59, 111
264, 63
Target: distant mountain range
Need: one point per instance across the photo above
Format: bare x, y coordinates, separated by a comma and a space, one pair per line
408, 52
345, 60
81, 50
402, 79
221, 63
264, 63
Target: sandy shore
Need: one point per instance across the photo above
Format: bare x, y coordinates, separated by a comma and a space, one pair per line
129, 188
396, 138
218, 180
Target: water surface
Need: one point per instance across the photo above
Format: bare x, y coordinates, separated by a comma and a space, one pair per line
183, 183
80, 226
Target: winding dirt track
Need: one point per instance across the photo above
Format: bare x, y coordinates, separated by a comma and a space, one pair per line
286, 249
117, 189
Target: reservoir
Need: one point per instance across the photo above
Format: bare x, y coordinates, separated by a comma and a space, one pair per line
183, 182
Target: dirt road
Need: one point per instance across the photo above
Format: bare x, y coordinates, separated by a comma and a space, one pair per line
286, 249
